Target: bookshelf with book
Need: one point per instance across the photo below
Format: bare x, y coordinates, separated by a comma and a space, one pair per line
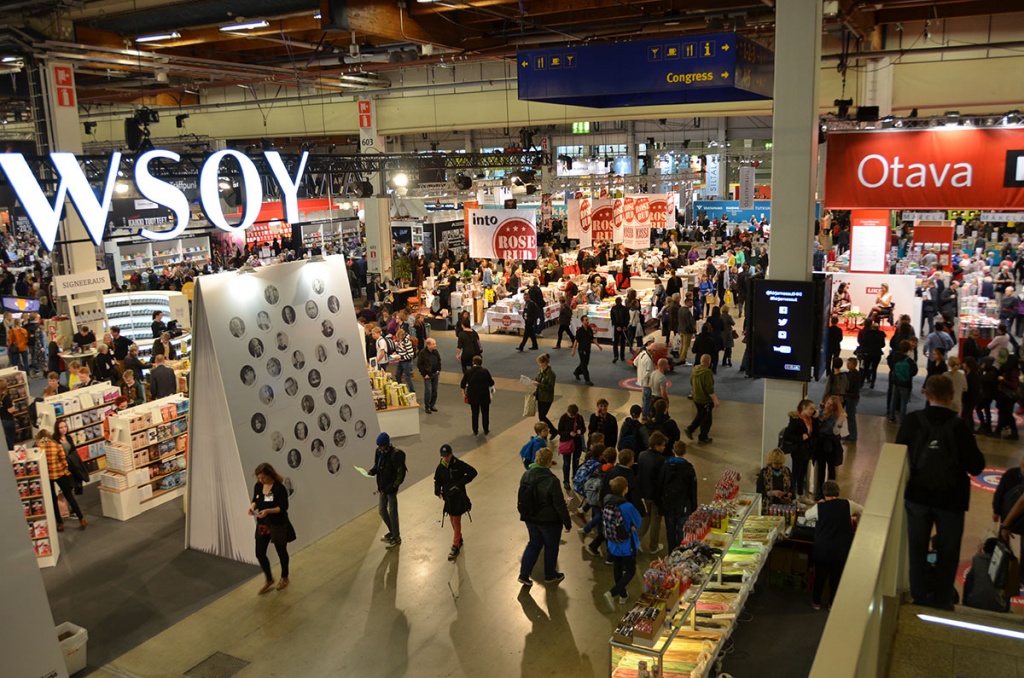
17, 389
84, 409
30, 473
147, 457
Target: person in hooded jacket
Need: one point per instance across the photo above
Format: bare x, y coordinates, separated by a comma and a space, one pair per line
676, 493
632, 434
623, 553
799, 440
549, 511
661, 421
450, 480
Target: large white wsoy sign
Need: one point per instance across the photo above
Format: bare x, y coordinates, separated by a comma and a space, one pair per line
73, 184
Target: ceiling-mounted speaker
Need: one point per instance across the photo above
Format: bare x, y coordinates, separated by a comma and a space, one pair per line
364, 189
132, 134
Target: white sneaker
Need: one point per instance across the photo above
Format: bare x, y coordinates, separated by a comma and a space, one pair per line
610, 599
656, 549
623, 600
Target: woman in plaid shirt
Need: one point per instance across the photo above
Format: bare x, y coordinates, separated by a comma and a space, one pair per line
60, 476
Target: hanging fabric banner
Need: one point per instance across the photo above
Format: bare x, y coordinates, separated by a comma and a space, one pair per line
503, 234
602, 220
663, 210
617, 220
579, 217
636, 230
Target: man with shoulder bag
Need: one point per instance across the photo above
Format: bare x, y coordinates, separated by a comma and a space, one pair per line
450, 480
390, 470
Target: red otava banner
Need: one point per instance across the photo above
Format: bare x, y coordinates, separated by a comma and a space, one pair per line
949, 167
503, 234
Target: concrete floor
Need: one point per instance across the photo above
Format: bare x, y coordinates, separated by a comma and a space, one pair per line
354, 608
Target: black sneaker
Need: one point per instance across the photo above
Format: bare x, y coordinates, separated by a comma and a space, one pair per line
393, 543
525, 581
590, 383
705, 440
386, 537
454, 553
593, 550
559, 576
689, 433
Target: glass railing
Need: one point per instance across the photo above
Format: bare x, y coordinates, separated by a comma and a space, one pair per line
862, 623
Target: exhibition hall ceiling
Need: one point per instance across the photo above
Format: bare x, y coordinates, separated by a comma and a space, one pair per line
167, 52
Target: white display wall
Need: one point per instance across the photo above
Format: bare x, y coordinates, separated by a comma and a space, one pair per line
279, 376
864, 287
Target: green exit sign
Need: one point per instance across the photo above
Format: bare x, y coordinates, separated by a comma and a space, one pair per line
581, 128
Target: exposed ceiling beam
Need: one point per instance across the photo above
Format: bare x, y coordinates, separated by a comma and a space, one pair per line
921, 11
387, 20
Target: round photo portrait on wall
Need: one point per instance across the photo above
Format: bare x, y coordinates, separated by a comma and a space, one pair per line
317, 448
255, 347
318, 285
330, 395
248, 375
351, 388
237, 327
282, 341
321, 353
345, 412
333, 304
333, 464
291, 387
340, 438
342, 345
311, 309
307, 404
263, 320
288, 315
276, 441
301, 431
289, 485
258, 423
298, 360
327, 328
266, 395
314, 378
324, 422
360, 427
294, 458
274, 367
271, 295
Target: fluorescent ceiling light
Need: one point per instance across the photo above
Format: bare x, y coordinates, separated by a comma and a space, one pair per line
1017, 635
10, 59
317, 15
160, 37
247, 26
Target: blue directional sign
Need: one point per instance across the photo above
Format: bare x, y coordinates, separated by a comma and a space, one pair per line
691, 69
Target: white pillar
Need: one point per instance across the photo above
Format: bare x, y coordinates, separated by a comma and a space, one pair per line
377, 217
64, 133
876, 86
794, 169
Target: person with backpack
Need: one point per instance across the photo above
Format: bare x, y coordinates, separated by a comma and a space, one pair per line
537, 442
450, 479
621, 522
676, 493
902, 377
648, 468
1008, 493
384, 346
662, 421
390, 470
633, 434
623, 469
542, 507
594, 484
943, 454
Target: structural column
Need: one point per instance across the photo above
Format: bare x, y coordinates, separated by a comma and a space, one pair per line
794, 170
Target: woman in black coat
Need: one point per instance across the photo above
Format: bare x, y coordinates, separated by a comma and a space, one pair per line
270, 507
476, 390
450, 480
799, 439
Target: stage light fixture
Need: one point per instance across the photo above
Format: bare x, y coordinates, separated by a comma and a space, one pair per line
179, 120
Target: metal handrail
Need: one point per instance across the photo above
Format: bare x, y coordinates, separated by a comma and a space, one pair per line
854, 644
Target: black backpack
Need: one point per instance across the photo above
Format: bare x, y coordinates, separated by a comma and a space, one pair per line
528, 501
934, 464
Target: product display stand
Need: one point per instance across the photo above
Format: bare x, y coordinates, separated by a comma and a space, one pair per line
147, 455
140, 257
85, 410
17, 388
689, 635
398, 411
133, 312
30, 472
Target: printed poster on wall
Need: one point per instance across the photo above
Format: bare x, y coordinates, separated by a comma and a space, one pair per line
503, 234
869, 241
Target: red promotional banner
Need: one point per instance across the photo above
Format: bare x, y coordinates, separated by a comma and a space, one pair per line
948, 167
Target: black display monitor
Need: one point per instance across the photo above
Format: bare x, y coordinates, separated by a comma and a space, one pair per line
783, 316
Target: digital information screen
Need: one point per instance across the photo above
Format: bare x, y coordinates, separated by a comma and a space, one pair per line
783, 323
21, 305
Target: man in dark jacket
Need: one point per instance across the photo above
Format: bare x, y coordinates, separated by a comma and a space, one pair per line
602, 421
1010, 489
633, 434
676, 493
648, 470
705, 344
450, 480
544, 513
428, 362
389, 469
938, 490
661, 421
531, 318
623, 468
565, 320
162, 380
686, 328
620, 321
583, 342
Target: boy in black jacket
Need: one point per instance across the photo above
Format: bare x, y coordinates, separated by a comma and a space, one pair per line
450, 480
676, 493
543, 517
